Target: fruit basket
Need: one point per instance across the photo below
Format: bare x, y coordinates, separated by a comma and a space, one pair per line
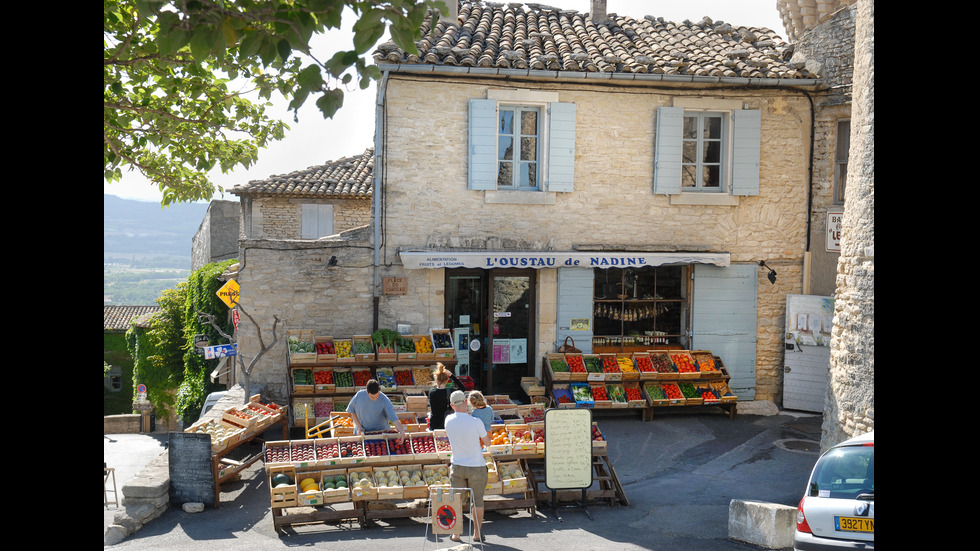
423, 446
705, 361
301, 347
593, 367
388, 483
351, 450
598, 439
531, 413
310, 494
443, 447
322, 408
325, 350
600, 396
327, 452
610, 367
361, 376
333, 484
499, 441
655, 394
423, 348
344, 349
361, 484
563, 396
691, 395
323, 380
686, 368
576, 367
725, 394
276, 454
673, 393
403, 378
628, 368
645, 366
558, 367
302, 454
343, 423
522, 439
708, 395
634, 396
537, 432
282, 486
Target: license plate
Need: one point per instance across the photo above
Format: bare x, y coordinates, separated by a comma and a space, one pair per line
854, 524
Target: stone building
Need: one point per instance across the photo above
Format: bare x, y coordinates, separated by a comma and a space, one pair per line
545, 174
216, 239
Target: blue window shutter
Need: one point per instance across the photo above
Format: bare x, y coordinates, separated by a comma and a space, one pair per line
561, 147
483, 144
745, 152
667, 158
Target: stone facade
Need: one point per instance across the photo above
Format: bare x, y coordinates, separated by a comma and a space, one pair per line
216, 239
281, 217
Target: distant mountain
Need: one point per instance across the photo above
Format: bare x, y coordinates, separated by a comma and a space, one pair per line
140, 228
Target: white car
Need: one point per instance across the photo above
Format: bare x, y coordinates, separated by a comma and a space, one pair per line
838, 506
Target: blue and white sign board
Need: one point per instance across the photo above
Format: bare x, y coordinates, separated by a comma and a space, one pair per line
219, 351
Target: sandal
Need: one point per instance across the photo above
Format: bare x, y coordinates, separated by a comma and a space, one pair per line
455, 538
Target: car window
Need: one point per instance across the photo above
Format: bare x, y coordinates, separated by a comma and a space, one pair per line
844, 473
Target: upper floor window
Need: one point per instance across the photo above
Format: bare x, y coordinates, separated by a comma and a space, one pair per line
518, 139
317, 220
840, 159
703, 144
521, 140
705, 150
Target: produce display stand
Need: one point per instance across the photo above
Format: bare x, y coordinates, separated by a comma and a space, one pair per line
607, 488
560, 384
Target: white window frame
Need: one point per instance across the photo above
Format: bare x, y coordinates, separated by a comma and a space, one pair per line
699, 141
516, 160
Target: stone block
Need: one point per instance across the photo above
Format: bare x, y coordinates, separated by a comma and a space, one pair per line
768, 525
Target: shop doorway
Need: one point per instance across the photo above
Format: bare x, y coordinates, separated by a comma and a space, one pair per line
491, 313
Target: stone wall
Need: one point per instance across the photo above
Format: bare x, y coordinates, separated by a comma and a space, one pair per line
281, 217
216, 239
428, 203
292, 279
850, 399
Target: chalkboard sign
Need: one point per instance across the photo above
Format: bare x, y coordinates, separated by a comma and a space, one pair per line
191, 477
568, 449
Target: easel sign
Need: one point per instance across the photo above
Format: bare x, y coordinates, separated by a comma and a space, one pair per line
568, 454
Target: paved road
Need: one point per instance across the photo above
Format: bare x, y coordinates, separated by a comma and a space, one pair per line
680, 472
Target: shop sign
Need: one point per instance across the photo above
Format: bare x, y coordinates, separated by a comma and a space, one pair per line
835, 220
219, 351
228, 293
395, 285
540, 260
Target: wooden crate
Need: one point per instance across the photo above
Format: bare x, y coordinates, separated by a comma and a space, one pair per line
361, 376
499, 434
611, 374
327, 452
682, 358
443, 449
376, 449
600, 403
416, 403
537, 428
284, 496
388, 490
674, 401
531, 413
491, 467
576, 376
661, 361
354, 447
515, 484
343, 424
328, 385
302, 454
708, 394
593, 359
345, 350
297, 358
237, 416
613, 388
359, 492
313, 495
276, 454
343, 375
424, 342
598, 444
406, 355
650, 389
532, 386
416, 440
386, 378
303, 410
690, 400
404, 379
336, 494
325, 357
627, 367
521, 448
438, 336
302, 387
724, 391
645, 366
230, 434
555, 361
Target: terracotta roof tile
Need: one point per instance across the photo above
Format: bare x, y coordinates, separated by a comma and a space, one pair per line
117, 318
351, 177
539, 37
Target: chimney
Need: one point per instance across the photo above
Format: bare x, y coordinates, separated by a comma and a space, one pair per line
598, 11
453, 16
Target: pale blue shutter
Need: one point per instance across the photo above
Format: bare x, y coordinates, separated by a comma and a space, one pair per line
724, 320
483, 144
667, 158
746, 150
575, 290
561, 147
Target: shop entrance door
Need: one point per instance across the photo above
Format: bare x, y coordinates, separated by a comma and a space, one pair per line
492, 316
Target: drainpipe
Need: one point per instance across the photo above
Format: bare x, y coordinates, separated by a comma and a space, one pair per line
376, 198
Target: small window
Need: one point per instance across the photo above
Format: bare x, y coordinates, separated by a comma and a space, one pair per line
703, 146
115, 383
317, 220
518, 139
840, 160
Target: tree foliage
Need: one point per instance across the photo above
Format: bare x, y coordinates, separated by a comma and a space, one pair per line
187, 82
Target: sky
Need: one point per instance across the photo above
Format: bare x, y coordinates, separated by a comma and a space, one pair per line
313, 140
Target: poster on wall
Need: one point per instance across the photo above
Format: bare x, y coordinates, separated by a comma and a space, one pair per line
462, 337
809, 319
501, 351
518, 351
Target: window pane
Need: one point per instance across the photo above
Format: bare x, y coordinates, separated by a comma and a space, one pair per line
687, 176
529, 123
505, 147
712, 152
529, 174
690, 131
505, 174
712, 128
506, 122
689, 152
529, 149
712, 176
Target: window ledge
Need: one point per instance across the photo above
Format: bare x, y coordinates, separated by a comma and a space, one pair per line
518, 198
716, 199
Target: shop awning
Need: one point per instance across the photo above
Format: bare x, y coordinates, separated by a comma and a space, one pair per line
551, 259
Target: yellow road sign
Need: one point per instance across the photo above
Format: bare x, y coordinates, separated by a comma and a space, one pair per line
228, 293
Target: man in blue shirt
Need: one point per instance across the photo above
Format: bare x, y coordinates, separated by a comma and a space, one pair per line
371, 410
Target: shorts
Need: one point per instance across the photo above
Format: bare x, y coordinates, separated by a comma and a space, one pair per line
470, 477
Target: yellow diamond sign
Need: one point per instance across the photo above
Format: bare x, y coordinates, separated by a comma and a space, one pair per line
228, 293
